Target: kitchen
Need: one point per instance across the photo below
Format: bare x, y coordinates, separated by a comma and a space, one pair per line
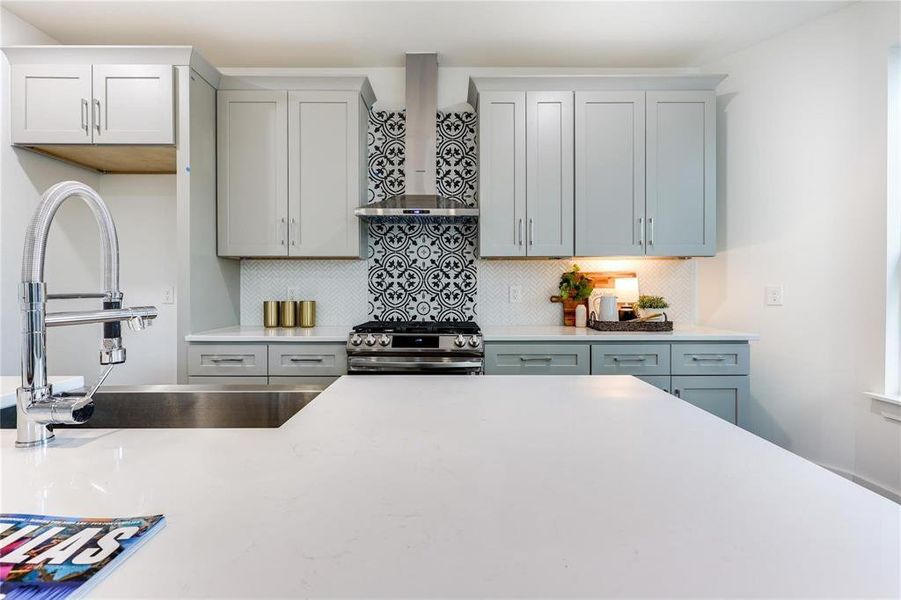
277, 294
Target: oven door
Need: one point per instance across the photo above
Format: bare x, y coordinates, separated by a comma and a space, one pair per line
414, 365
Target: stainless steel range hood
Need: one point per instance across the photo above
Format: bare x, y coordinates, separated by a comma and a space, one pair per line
420, 201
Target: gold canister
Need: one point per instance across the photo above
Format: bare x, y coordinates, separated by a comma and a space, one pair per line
306, 313
270, 313
286, 311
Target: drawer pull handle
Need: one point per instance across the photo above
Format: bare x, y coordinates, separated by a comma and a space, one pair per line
226, 359
891, 417
630, 358
708, 358
306, 359
535, 358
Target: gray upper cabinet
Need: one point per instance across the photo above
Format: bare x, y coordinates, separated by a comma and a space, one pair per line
92, 104
326, 172
502, 173
610, 152
252, 169
549, 173
681, 173
133, 104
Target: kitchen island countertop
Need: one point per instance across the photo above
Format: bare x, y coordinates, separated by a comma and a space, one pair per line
470, 486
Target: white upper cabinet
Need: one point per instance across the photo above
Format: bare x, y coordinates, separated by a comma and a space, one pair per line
252, 169
502, 174
133, 104
326, 172
681, 173
85, 104
549, 173
50, 104
610, 199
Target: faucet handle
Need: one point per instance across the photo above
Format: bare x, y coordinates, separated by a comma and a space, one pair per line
111, 351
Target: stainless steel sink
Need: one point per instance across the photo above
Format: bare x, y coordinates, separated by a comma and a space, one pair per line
186, 406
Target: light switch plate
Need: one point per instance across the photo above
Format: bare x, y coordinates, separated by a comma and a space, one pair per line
773, 295
293, 293
169, 295
515, 294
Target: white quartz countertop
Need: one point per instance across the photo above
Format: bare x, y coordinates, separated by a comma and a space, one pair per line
470, 486
9, 385
514, 333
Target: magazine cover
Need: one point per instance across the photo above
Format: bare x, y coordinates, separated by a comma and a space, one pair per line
47, 557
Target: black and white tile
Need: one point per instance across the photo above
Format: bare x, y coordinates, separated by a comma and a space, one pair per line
423, 271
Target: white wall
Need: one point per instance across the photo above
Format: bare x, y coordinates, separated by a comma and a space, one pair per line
802, 201
143, 207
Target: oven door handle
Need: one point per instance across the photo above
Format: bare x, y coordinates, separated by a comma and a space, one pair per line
398, 364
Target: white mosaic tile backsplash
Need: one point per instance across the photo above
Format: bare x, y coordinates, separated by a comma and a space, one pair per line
340, 288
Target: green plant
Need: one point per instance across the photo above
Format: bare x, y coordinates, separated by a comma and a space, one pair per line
574, 285
651, 302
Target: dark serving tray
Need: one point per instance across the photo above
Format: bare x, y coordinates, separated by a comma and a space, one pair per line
625, 326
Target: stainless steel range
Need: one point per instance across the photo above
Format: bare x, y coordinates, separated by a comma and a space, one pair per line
415, 347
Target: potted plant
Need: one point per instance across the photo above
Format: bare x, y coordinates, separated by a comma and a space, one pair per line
575, 288
650, 305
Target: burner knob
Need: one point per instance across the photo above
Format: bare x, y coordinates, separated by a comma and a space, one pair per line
474, 341
370, 341
356, 340
459, 341
384, 340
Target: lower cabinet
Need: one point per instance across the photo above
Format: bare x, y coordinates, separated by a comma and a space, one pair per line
537, 359
313, 363
658, 381
722, 395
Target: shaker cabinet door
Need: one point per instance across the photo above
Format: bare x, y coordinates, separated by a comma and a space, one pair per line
50, 104
681, 176
502, 174
610, 215
252, 173
324, 173
549, 173
133, 104
722, 395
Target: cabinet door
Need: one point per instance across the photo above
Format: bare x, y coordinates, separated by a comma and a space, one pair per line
50, 104
549, 173
133, 104
681, 174
252, 172
609, 173
502, 173
723, 396
324, 173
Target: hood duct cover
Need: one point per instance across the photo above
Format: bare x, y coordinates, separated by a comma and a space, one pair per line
421, 201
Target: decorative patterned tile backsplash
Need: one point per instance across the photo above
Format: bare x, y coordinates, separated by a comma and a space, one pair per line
430, 271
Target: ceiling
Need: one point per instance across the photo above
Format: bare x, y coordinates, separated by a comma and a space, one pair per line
377, 33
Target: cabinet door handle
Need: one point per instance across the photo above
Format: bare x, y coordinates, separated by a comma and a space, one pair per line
306, 359
84, 115
630, 358
226, 359
708, 358
651, 232
293, 231
97, 115
535, 358
677, 393
641, 231
520, 232
283, 229
531, 231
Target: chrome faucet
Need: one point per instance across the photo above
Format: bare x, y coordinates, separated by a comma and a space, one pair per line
37, 407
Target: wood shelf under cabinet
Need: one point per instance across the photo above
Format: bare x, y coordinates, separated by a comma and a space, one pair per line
145, 160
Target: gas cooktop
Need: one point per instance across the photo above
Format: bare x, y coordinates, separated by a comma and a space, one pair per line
432, 327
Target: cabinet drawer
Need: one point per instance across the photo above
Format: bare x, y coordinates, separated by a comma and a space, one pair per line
227, 359
630, 359
307, 359
658, 381
723, 396
202, 379
711, 359
538, 359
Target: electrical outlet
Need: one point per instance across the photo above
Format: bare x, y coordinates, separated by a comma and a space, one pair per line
515, 294
168, 295
293, 293
773, 295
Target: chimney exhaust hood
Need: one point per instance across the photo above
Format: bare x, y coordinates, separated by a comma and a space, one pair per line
421, 200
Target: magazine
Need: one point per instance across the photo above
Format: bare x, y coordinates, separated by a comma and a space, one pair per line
46, 557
